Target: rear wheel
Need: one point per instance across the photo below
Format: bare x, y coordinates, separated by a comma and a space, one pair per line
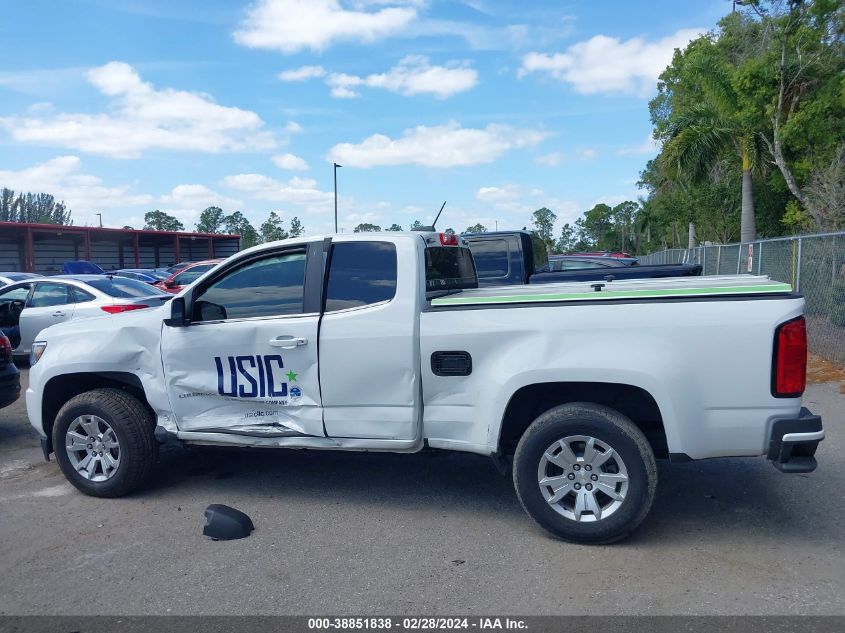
585, 473
104, 443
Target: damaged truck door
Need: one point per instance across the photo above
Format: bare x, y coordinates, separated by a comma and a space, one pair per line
246, 358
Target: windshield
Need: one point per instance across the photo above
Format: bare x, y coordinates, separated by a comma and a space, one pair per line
124, 288
449, 268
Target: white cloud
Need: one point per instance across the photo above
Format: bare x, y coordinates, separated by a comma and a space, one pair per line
515, 203
605, 64
290, 26
195, 197
303, 73
508, 193
290, 162
558, 158
649, 146
83, 193
447, 145
411, 76
297, 191
551, 160
142, 117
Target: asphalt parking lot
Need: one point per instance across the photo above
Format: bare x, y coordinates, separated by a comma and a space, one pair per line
433, 533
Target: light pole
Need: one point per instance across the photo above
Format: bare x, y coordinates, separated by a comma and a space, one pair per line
335, 195
100, 215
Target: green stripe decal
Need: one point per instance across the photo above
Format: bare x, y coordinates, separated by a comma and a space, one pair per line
613, 294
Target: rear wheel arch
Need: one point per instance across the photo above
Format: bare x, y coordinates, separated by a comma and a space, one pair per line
634, 402
60, 389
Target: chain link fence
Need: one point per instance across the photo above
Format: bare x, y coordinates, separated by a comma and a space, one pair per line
813, 264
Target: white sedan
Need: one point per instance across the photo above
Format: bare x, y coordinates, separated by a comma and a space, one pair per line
27, 307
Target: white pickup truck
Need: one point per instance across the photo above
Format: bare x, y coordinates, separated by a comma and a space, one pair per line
381, 342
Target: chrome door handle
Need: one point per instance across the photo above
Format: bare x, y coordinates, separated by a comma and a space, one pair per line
58, 313
288, 342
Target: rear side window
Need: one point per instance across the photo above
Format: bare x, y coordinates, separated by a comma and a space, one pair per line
81, 296
361, 273
449, 268
491, 258
123, 288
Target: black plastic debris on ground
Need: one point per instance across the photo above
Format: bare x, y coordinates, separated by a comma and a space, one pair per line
223, 523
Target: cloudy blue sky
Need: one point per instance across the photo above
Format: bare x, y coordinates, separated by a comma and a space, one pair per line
497, 106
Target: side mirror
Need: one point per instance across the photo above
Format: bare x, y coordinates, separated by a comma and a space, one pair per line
209, 311
178, 313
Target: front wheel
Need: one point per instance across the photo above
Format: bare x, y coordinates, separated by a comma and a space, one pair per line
585, 473
104, 443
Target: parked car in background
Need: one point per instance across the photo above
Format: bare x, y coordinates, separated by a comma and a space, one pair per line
28, 307
558, 263
175, 268
187, 275
10, 379
82, 267
13, 277
506, 258
612, 254
147, 275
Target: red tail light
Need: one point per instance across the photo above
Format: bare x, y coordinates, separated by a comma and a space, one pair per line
122, 308
789, 370
448, 239
5, 349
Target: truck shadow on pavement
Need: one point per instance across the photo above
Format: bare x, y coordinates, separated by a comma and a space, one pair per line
708, 501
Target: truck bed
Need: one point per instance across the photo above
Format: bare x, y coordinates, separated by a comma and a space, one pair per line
725, 285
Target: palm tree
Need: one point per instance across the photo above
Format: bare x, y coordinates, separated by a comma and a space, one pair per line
700, 135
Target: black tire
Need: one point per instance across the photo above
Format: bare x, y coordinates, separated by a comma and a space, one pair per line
613, 429
133, 426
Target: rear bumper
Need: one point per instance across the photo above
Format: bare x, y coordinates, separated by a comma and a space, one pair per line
793, 442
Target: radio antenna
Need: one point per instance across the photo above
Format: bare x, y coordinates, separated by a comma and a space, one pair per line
437, 217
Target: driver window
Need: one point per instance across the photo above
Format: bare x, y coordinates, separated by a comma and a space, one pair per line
50, 294
271, 286
16, 294
11, 303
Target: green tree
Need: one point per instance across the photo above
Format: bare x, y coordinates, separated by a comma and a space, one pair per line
476, 228
699, 117
211, 220
161, 221
763, 95
417, 224
238, 224
366, 227
543, 221
598, 226
296, 228
567, 239
33, 207
624, 215
272, 229
394, 227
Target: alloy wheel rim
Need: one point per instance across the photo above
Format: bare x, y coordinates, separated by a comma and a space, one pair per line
92, 448
583, 478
